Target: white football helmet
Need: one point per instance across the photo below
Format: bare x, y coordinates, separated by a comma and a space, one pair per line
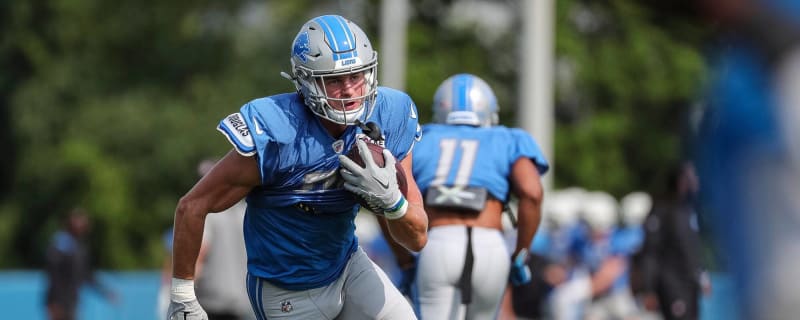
465, 99
332, 46
635, 208
600, 211
560, 209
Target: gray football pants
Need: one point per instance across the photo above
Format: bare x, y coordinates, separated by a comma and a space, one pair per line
363, 291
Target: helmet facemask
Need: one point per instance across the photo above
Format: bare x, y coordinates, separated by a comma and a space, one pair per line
311, 84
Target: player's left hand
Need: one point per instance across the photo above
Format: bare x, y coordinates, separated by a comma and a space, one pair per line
520, 272
378, 186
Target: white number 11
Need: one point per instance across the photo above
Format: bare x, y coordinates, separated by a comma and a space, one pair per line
448, 146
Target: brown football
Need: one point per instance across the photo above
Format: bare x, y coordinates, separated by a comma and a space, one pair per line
377, 156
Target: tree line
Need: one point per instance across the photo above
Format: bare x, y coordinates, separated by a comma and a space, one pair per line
110, 105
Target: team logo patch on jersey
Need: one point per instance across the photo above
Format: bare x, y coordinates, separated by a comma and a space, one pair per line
236, 123
366, 138
286, 306
338, 146
235, 128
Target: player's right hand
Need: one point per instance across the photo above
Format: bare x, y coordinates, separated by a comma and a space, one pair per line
190, 310
520, 272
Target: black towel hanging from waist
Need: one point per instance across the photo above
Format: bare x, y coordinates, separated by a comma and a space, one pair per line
465, 283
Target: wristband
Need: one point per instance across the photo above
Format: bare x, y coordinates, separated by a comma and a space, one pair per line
521, 258
398, 210
182, 290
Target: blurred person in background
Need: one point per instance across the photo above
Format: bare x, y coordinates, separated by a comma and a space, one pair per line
304, 260
162, 302
634, 208
467, 166
550, 260
606, 251
749, 153
69, 268
585, 268
671, 256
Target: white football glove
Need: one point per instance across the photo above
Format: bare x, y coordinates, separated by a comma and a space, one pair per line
183, 304
190, 310
378, 186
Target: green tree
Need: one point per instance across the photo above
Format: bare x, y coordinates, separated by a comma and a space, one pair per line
110, 105
118, 104
626, 76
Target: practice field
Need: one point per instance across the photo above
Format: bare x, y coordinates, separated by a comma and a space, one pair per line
22, 294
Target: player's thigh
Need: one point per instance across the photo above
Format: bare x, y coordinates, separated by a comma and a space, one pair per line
270, 301
439, 269
441, 262
490, 273
370, 294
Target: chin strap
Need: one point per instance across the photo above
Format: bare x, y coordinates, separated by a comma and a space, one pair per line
371, 129
288, 76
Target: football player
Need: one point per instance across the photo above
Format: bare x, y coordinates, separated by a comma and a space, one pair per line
304, 260
467, 166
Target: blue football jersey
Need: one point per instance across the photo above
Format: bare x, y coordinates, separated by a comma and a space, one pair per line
593, 251
451, 155
299, 226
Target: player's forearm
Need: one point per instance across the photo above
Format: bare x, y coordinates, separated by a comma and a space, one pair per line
411, 231
607, 274
188, 235
403, 257
528, 188
528, 219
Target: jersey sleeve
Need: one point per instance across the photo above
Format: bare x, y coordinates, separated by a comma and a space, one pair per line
250, 135
235, 129
525, 146
404, 127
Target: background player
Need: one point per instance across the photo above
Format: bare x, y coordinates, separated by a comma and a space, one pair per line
467, 166
303, 257
69, 267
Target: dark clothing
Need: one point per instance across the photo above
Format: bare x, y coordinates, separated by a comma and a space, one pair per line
528, 300
678, 298
670, 260
68, 268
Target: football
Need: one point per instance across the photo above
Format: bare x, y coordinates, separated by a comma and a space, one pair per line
377, 156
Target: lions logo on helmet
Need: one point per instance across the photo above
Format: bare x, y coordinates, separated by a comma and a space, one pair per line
300, 48
332, 46
465, 99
